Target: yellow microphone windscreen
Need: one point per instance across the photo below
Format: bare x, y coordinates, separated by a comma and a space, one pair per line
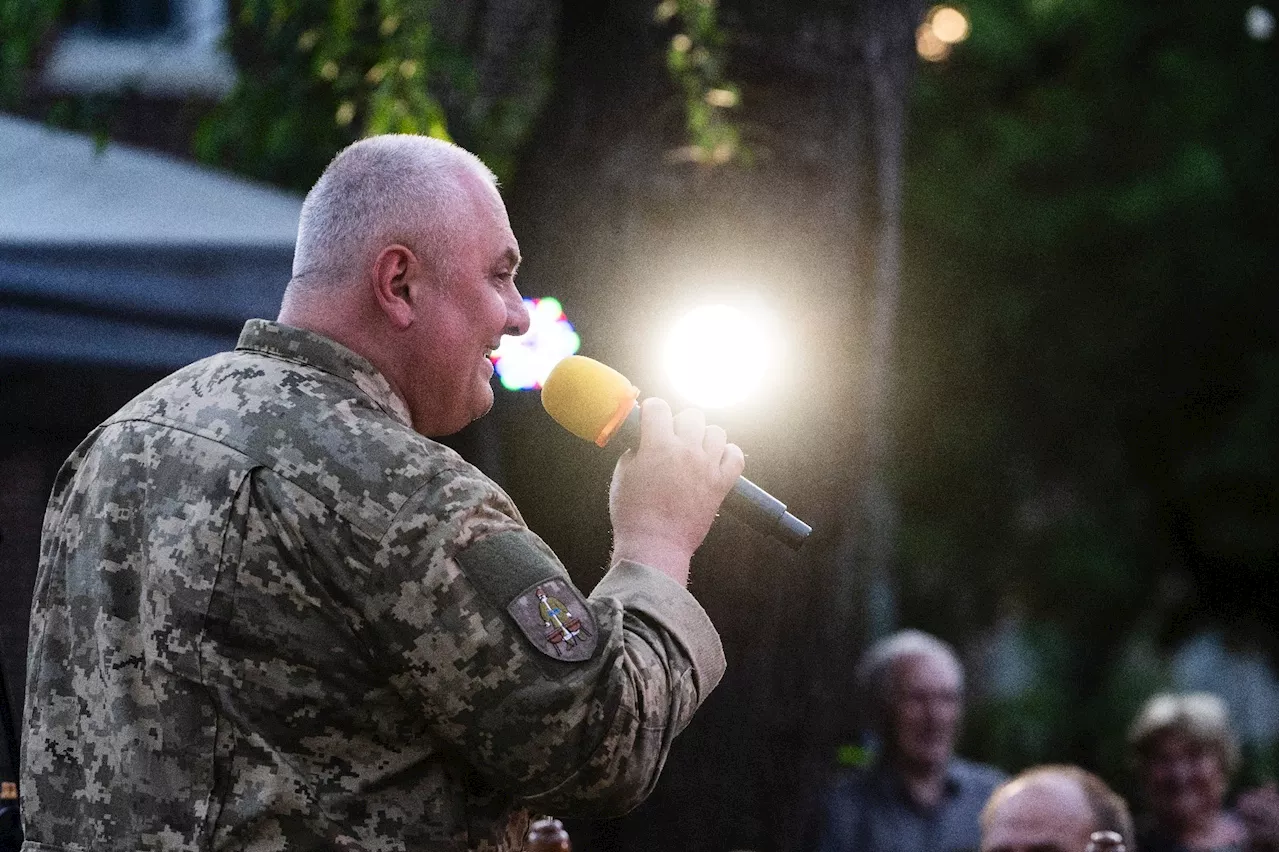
588, 398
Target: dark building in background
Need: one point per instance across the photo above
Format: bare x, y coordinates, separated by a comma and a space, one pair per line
116, 267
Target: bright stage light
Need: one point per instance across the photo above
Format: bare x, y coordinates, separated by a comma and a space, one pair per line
523, 363
718, 355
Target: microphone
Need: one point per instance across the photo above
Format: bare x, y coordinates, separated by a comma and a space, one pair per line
598, 404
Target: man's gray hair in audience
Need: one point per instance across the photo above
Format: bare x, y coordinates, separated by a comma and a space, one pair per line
372, 195
876, 666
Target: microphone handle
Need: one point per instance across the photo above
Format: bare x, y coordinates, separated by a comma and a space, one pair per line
748, 502
758, 508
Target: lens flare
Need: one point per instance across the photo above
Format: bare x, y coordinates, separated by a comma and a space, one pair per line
719, 355
523, 363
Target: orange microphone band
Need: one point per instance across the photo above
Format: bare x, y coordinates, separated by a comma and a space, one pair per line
588, 398
625, 404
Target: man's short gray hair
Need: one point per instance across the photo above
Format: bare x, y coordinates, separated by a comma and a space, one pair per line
378, 191
876, 666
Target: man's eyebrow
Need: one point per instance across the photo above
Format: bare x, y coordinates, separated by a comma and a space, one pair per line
512, 257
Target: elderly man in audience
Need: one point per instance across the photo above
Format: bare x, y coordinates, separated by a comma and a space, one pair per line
1053, 809
917, 796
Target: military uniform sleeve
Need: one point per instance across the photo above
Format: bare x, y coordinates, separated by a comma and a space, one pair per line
568, 703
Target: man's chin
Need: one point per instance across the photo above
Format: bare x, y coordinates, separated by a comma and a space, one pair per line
438, 428
483, 405
926, 758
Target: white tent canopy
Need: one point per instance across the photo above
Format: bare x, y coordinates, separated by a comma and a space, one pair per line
129, 257
57, 189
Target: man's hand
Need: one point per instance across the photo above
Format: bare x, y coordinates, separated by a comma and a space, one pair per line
665, 493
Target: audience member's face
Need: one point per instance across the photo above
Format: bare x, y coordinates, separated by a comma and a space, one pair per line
924, 710
1184, 781
1045, 814
465, 313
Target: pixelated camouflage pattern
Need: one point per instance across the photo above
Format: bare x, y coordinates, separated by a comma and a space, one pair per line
252, 630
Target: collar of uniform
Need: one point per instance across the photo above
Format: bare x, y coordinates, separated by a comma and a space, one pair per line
314, 350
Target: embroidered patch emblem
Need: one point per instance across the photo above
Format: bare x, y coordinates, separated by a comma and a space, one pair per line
555, 618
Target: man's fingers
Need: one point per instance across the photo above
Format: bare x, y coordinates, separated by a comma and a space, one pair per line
732, 462
624, 461
713, 442
655, 421
690, 426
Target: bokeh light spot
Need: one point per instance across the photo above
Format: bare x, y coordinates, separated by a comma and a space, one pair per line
523, 363
949, 24
723, 98
1259, 23
929, 46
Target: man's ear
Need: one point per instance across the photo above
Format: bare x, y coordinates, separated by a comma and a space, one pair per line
393, 274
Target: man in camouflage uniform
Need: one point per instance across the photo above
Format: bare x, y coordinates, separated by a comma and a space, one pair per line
272, 614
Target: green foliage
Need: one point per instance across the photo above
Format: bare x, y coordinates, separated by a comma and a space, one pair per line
1258, 765
1232, 469
696, 60
1087, 380
90, 114
25, 26
319, 74
1017, 730
316, 75
852, 754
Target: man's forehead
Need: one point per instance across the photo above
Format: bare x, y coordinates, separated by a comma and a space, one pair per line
1041, 814
487, 228
486, 192
1027, 832
492, 205
926, 670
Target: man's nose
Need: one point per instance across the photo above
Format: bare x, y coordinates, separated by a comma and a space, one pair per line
517, 316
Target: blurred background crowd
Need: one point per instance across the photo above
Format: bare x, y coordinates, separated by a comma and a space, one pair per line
1016, 264
912, 792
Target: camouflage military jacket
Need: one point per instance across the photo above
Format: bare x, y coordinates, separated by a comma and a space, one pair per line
271, 616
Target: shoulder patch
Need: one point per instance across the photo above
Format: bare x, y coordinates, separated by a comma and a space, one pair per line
554, 617
513, 573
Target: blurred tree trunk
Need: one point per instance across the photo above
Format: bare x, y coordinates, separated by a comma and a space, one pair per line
865, 590
617, 228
